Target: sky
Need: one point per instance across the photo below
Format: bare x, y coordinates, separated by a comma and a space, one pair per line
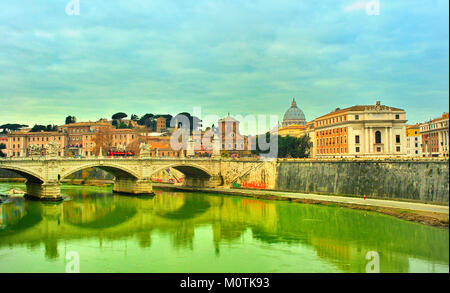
225, 56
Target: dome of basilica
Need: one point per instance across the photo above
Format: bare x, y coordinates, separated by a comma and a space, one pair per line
294, 116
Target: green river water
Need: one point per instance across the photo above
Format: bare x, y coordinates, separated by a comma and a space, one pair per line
198, 232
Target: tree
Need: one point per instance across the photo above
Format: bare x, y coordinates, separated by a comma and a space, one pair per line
135, 145
194, 122
294, 147
103, 139
12, 127
51, 128
122, 125
71, 119
2, 147
145, 117
134, 117
119, 116
38, 128
288, 146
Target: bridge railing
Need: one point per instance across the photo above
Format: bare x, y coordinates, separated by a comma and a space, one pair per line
245, 159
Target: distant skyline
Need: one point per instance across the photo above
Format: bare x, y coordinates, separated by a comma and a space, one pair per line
242, 57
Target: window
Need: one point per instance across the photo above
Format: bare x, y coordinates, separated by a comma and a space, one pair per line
398, 149
356, 138
397, 138
378, 149
377, 137
356, 117
357, 149
397, 116
417, 152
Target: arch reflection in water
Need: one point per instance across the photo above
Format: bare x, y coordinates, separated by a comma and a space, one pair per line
235, 234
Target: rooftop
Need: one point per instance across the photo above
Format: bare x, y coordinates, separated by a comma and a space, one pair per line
361, 108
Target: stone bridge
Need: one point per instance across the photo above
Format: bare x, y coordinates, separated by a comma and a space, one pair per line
132, 175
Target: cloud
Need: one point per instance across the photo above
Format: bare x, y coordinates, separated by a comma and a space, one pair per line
355, 6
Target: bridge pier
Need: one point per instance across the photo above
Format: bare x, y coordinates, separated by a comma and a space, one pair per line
133, 186
212, 181
47, 191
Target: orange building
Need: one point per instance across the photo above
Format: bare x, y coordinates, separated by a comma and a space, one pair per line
81, 136
19, 142
362, 130
123, 138
435, 139
232, 141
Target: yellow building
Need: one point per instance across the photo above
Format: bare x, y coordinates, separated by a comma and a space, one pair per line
292, 130
413, 141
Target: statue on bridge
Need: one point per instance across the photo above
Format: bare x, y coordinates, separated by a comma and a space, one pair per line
52, 149
35, 150
144, 150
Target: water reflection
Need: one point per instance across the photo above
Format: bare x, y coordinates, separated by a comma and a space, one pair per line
339, 236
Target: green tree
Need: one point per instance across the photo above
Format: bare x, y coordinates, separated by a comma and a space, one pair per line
51, 128
145, 118
119, 116
12, 127
71, 119
134, 117
288, 146
122, 125
2, 147
38, 128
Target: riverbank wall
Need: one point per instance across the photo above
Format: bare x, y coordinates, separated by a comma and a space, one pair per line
417, 180
422, 181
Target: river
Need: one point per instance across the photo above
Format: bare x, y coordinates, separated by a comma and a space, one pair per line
198, 232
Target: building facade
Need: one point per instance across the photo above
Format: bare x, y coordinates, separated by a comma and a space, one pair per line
81, 136
435, 137
19, 142
232, 142
413, 141
361, 131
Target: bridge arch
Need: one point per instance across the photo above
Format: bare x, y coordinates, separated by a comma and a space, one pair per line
116, 170
29, 175
188, 169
